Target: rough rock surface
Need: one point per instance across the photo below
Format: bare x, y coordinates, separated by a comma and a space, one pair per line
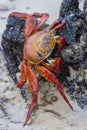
75, 53
71, 13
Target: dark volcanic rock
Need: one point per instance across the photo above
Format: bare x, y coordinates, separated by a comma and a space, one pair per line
75, 53
12, 43
73, 16
75, 56
85, 8
75, 32
78, 87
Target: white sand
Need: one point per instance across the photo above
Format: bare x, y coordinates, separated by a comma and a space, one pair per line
15, 106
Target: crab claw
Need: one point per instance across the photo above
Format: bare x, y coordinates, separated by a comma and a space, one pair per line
34, 90
53, 64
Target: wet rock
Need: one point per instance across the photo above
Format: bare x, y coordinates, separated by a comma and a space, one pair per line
11, 41
76, 56
85, 8
73, 16
75, 53
78, 89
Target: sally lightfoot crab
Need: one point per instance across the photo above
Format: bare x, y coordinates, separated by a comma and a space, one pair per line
38, 47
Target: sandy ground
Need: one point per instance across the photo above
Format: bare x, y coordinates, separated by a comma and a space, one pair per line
13, 108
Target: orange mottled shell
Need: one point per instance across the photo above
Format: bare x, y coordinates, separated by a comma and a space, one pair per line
39, 46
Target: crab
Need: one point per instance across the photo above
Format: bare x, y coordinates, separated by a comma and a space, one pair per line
37, 51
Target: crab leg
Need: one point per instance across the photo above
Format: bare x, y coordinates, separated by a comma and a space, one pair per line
19, 15
23, 76
52, 78
44, 17
59, 26
53, 24
29, 24
29, 27
34, 90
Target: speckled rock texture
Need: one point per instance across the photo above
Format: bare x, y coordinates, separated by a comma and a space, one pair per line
73, 16
74, 71
75, 53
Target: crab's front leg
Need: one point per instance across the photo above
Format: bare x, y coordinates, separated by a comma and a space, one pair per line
43, 18
33, 84
52, 78
23, 76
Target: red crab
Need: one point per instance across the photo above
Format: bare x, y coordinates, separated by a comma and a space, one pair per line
38, 47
